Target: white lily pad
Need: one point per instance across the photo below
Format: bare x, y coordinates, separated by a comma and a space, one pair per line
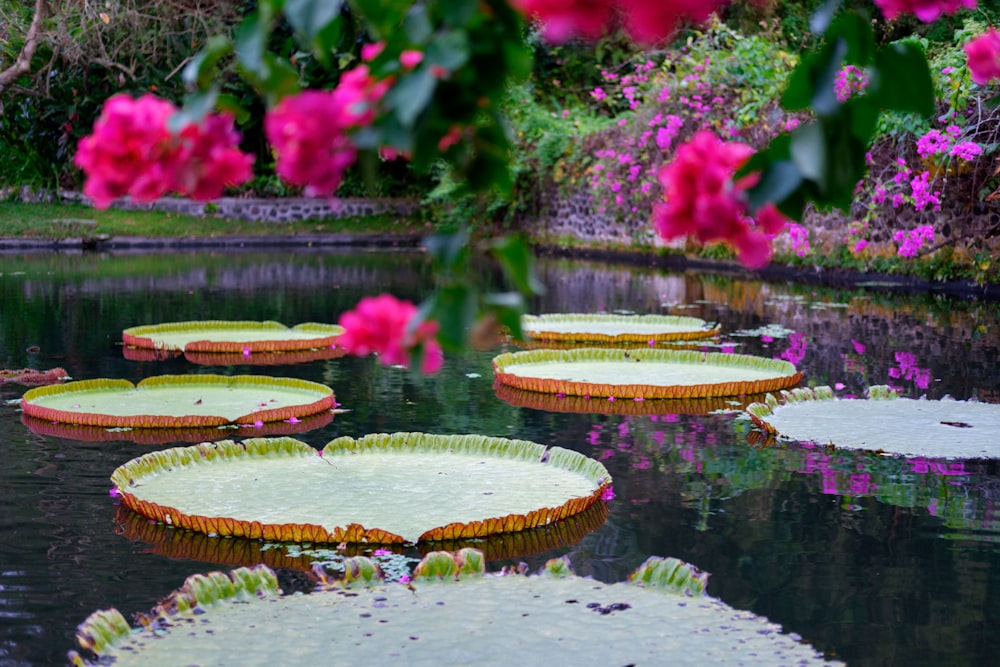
403, 487
463, 618
883, 422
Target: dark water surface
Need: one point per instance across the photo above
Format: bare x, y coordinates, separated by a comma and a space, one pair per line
874, 560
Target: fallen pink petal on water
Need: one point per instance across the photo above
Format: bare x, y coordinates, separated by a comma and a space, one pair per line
258, 424
839, 386
246, 352
113, 492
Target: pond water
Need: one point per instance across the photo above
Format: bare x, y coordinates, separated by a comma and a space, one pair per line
872, 559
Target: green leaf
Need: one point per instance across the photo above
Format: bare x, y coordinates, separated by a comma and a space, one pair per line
448, 249
508, 308
196, 106
903, 79
280, 78
411, 96
777, 183
251, 41
310, 17
518, 263
856, 32
417, 24
231, 103
382, 17
821, 18
454, 307
811, 83
457, 12
200, 72
449, 50
808, 151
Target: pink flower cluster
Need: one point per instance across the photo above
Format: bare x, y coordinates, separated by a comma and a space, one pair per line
910, 242
927, 11
703, 199
848, 82
386, 326
647, 21
309, 131
938, 144
908, 369
983, 56
133, 152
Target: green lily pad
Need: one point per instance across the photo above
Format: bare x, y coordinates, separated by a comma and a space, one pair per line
615, 329
451, 614
883, 422
643, 373
232, 336
382, 488
523, 398
178, 401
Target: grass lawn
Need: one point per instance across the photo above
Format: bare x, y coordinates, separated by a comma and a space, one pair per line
60, 221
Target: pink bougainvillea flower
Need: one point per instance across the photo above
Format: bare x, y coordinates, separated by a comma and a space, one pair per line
386, 326
369, 52
133, 152
927, 11
563, 19
651, 21
410, 59
703, 199
983, 56
309, 130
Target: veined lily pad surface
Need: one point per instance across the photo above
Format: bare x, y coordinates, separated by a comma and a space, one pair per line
642, 373
451, 614
232, 336
607, 328
382, 488
941, 429
178, 401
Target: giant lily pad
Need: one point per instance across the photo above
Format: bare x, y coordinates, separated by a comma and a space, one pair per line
383, 488
642, 373
615, 329
235, 551
451, 614
523, 398
245, 357
163, 436
233, 337
884, 422
178, 401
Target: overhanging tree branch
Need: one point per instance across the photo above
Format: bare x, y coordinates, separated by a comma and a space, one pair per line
22, 64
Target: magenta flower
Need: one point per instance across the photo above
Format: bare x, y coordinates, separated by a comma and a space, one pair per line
410, 59
927, 11
608, 494
983, 56
388, 327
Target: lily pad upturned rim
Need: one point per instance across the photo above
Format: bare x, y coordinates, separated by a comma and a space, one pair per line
657, 612
324, 400
163, 436
174, 459
503, 362
325, 335
533, 328
179, 544
523, 398
271, 358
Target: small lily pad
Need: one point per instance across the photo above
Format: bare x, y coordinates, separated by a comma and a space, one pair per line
219, 336
30, 376
883, 422
643, 373
383, 488
178, 401
450, 614
615, 329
